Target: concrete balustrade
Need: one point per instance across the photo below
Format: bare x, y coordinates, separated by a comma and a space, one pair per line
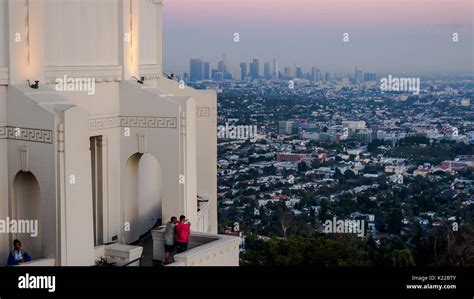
45, 262
119, 254
204, 249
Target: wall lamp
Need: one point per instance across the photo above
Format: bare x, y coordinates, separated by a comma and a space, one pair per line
169, 76
34, 86
140, 81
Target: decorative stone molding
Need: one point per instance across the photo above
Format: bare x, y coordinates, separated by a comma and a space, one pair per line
104, 123
203, 111
183, 122
60, 138
24, 158
149, 122
150, 71
107, 73
156, 122
26, 134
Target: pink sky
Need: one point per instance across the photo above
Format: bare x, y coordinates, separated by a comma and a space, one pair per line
386, 35
321, 12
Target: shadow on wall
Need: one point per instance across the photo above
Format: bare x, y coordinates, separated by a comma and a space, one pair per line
27, 205
142, 195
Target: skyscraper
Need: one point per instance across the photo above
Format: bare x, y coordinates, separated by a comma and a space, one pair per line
196, 69
275, 73
327, 77
266, 70
358, 76
316, 74
206, 71
221, 67
243, 70
370, 76
254, 68
287, 72
298, 72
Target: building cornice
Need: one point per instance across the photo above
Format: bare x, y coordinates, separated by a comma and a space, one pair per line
26, 134
152, 122
107, 73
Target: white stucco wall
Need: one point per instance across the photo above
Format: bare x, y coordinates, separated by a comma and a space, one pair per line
147, 43
81, 32
24, 113
3, 31
104, 103
206, 142
4, 240
78, 201
162, 143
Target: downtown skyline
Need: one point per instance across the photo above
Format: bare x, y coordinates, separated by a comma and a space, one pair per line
381, 37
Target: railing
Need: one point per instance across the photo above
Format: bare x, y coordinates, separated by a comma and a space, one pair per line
120, 255
204, 249
44, 262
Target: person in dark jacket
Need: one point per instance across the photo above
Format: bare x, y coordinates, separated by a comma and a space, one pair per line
18, 256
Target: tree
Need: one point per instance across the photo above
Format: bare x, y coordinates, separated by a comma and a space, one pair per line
318, 251
394, 221
284, 219
402, 258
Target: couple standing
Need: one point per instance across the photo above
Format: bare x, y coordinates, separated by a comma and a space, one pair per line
176, 235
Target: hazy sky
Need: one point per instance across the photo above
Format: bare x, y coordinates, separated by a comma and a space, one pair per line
384, 35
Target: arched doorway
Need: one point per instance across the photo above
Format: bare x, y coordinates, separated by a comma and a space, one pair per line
141, 207
27, 206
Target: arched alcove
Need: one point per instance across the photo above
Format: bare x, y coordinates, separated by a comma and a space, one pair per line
149, 186
141, 206
26, 205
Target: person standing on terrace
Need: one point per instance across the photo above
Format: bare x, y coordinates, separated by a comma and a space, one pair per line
183, 229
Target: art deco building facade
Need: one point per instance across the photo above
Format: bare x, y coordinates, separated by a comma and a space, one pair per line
103, 165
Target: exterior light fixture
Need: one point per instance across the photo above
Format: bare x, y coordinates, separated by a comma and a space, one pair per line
140, 81
34, 86
171, 76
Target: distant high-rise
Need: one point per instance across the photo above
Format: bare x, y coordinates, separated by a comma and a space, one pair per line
217, 75
285, 127
254, 69
221, 67
327, 77
370, 77
316, 74
243, 70
358, 76
206, 71
287, 72
196, 69
275, 69
298, 72
266, 70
